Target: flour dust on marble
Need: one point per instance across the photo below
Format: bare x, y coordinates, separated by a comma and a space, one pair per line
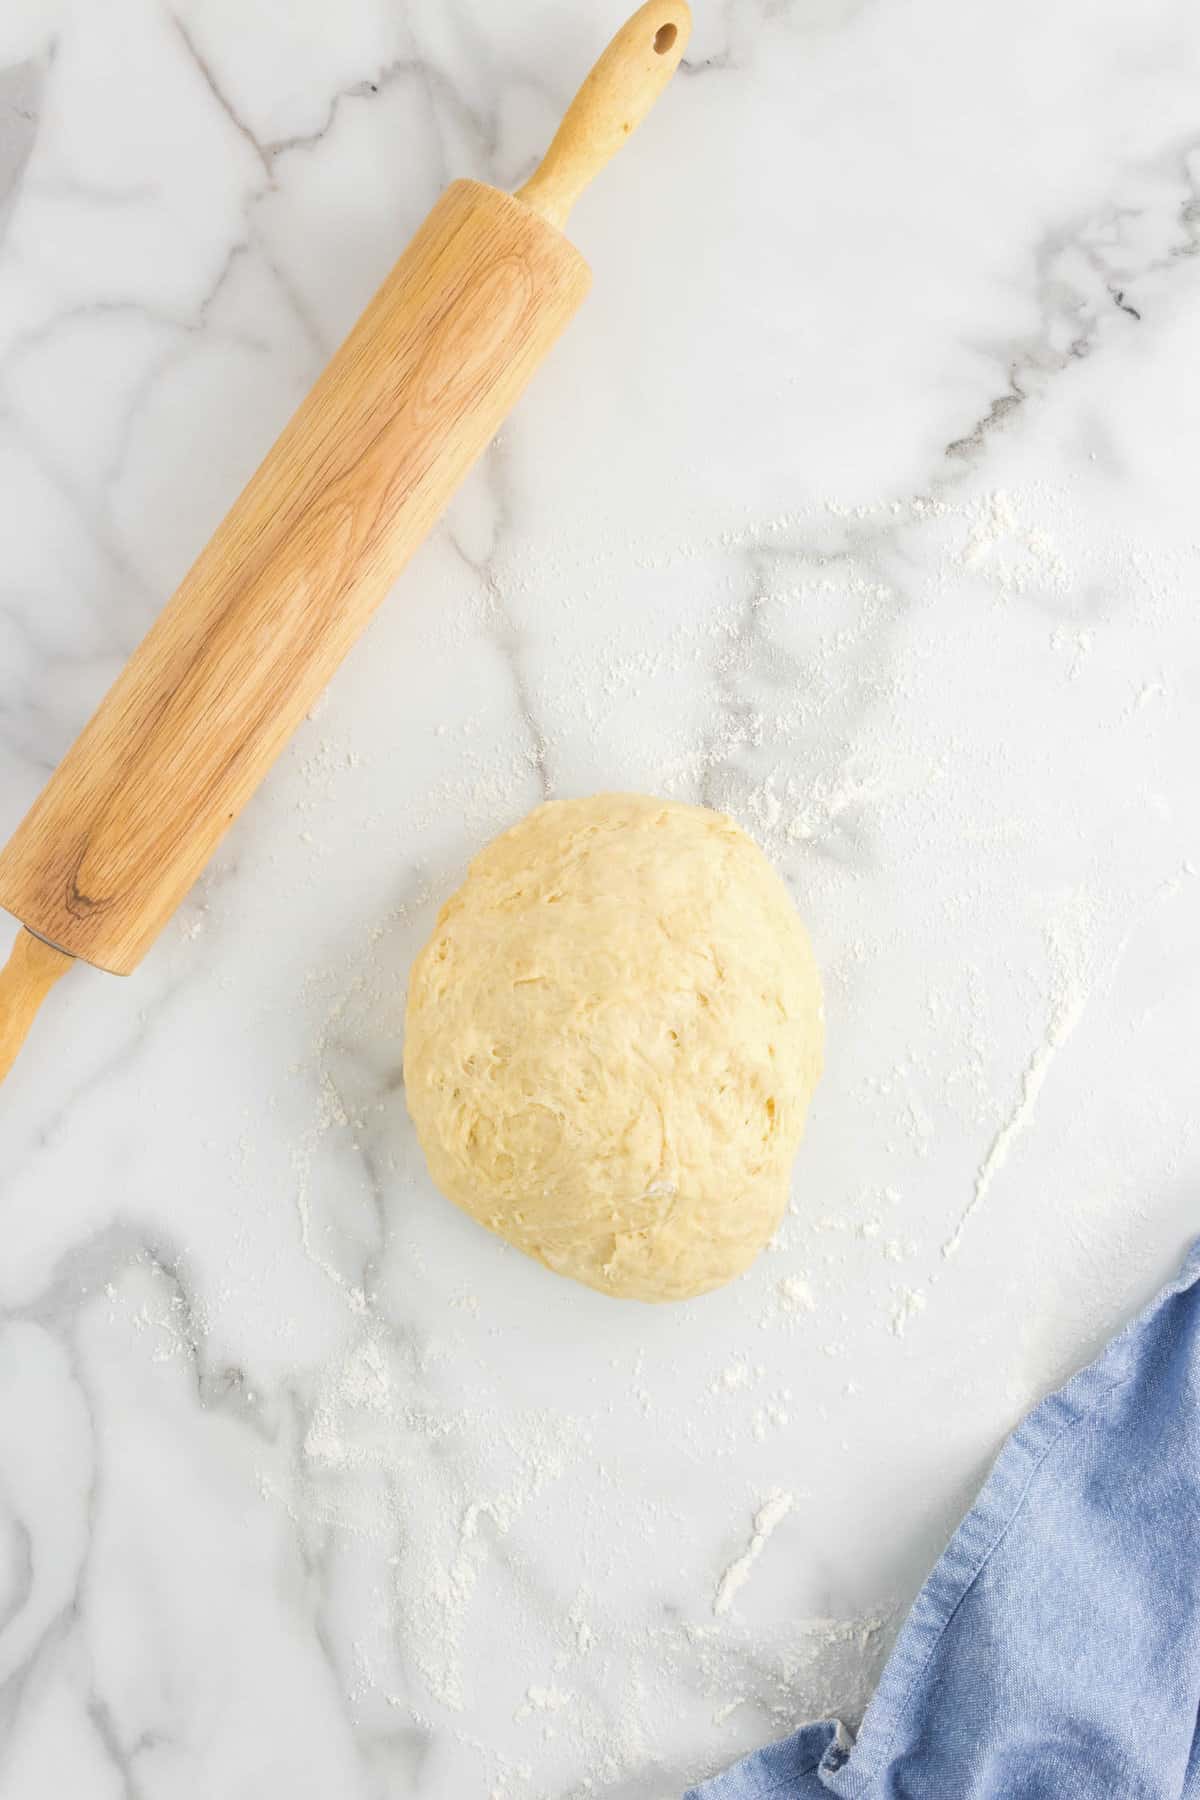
480, 1476
769, 1515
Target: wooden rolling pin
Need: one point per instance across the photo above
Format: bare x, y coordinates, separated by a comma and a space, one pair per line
308, 551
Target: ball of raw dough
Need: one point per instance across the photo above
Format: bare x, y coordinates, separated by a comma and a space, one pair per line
612, 1039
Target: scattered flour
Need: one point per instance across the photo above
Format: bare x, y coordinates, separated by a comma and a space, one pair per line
796, 1294
770, 1514
1078, 969
444, 1496
737, 1375
773, 1416
542, 1700
909, 1302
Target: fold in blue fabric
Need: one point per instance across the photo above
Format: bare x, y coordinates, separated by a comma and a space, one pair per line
1054, 1652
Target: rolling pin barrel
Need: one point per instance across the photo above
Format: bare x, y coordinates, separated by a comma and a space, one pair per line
291, 577
311, 547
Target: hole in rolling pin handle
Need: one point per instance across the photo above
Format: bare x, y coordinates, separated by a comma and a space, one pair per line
664, 37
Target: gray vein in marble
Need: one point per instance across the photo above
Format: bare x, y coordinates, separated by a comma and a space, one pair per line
267, 155
20, 99
744, 26
55, 1320
92, 509
749, 653
211, 83
373, 1179
1065, 308
96, 1264
21, 1555
507, 639
191, 323
90, 516
400, 1754
50, 1640
111, 1059
1072, 313
121, 1759
79, 1278
440, 92
188, 328
317, 1540
745, 648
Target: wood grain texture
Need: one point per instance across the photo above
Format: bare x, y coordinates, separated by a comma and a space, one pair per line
292, 576
26, 978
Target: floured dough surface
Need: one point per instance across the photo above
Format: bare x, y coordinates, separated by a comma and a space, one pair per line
612, 1039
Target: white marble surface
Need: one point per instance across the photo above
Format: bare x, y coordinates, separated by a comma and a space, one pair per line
860, 500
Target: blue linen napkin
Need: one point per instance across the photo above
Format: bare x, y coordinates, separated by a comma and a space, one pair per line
1054, 1652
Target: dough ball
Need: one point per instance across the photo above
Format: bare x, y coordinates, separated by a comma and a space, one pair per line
612, 1039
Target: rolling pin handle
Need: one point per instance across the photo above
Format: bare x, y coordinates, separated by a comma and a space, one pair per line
32, 969
612, 102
